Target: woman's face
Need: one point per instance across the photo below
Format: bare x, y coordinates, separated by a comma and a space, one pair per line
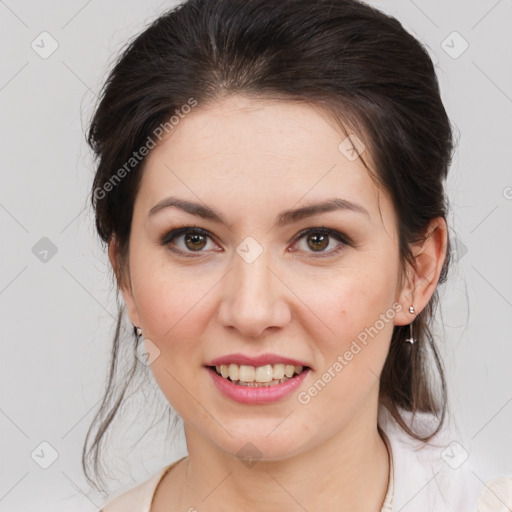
253, 285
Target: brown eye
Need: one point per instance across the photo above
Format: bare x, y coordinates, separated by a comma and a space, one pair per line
195, 242
318, 242
188, 240
315, 241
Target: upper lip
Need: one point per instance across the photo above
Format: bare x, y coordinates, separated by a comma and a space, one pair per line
260, 360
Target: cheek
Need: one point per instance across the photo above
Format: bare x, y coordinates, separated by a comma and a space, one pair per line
352, 360
170, 301
368, 318
171, 305
354, 302
359, 311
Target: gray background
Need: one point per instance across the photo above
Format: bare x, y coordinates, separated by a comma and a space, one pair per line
57, 309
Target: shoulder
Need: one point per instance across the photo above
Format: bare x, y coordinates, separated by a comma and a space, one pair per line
439, 475
496, 495
138, 498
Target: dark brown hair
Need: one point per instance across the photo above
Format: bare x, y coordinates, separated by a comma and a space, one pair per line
347, 58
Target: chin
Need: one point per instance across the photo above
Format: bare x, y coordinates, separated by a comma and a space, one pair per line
261, 444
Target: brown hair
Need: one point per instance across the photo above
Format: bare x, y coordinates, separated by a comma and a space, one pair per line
348, 58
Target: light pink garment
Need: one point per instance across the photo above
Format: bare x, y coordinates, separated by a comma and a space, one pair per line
438, 476
425, 477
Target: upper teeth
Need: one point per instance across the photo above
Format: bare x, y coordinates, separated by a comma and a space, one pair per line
265, 373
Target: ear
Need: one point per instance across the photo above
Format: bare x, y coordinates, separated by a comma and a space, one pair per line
122, 274
422, 279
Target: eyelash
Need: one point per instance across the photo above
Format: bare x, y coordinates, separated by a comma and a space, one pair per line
174, 233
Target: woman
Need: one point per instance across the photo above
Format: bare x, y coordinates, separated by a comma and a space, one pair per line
270, 186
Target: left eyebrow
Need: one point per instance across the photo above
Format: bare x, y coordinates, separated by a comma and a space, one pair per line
290, 216
284, 218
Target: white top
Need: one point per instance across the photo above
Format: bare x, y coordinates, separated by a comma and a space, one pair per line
424, 477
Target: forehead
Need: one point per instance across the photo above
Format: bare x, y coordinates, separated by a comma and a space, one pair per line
273, 152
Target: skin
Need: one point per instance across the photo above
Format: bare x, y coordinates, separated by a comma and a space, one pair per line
249, 160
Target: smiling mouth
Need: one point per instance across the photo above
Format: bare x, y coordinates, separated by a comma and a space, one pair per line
261, 376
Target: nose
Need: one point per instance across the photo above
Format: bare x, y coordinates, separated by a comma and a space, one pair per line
253, 298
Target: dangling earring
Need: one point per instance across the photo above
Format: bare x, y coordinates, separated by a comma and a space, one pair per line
138, 333
411, 340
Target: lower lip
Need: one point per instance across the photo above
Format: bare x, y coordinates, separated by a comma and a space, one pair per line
257, 395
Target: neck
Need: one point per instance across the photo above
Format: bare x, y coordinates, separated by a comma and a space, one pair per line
335, 475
